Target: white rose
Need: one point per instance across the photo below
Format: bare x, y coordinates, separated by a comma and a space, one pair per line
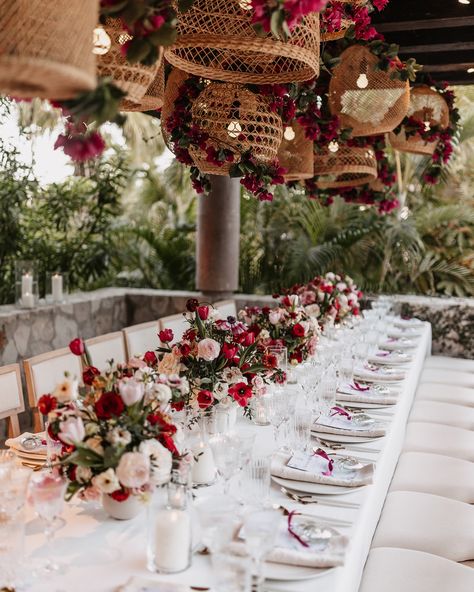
95, 444
131, 391
160, 459
220, 391
133, 470
106, 482
208, 349
313, 310
66, 391
71, 430
83, 474
119, 436
162, 393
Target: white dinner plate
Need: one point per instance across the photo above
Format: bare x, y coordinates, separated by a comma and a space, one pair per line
317, 488
30, 456
343, 438
287, 573
360, 405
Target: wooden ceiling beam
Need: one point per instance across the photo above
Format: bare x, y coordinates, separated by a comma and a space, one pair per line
447, 67
433, 23
437, 47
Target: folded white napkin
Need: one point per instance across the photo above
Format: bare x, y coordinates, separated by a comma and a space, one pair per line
413, 322
398, 343
379, 374
349, 393
341, 426
15, 443
280, 468
390, 357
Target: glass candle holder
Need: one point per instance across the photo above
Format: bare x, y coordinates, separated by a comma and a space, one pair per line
56, 287
26, 284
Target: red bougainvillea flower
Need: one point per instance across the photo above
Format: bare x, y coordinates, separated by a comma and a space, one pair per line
205, 399
298, 330
89, 374
166, 335
109, 405
241, 392
47, 403
77, 346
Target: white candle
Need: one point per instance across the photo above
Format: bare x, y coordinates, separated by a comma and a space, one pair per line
204, 468
28, 300
26, 284
172, 540
57, 287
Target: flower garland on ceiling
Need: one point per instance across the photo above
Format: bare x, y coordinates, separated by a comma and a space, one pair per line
336, 13
281, 16
435, 133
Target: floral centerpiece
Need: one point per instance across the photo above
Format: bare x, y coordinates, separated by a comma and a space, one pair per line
287, 325
117, 439
331, 297
219, 358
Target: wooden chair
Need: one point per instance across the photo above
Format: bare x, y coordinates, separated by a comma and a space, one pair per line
45, 372
177, 323
226, 308
141, 338
107, 347
11, 398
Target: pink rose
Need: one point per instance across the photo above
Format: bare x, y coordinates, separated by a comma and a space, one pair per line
208, 349
133, 470
131, 391
71, 430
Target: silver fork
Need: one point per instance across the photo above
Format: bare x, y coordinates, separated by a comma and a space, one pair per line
308, 498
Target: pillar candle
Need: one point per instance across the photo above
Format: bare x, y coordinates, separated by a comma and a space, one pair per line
57, 287
26, 284
172, 540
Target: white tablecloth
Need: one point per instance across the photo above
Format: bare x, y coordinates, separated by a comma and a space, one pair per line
102, 553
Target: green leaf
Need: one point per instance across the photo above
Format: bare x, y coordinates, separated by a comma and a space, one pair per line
185, 5
85, 457
165, 35
137, 50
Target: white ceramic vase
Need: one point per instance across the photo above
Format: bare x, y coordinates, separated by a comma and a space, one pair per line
125, 510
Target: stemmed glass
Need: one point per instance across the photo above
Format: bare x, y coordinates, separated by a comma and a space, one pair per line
260, 531
46, 493
226, 451
279, 413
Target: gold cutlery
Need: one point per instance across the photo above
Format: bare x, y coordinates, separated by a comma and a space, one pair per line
299, 496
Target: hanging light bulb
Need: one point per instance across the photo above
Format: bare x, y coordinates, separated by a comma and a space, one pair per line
289, 133
362, 81
101, 41
234, 129
333, 146
427, 126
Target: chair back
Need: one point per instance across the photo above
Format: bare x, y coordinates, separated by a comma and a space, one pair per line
141, 338
177, 323
11, 398
226, 308
107, 347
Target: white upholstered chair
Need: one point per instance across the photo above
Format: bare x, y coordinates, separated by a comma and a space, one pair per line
439, 439
396, 570
11, 397
226, 308
428, 523
460, 364
455, 394
45, 372
141, 338
177, 323
448, 377
444, 413
436, 474
107, 347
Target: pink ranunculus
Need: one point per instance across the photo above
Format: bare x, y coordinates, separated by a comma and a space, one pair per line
131, 391
133, 470
208, 349
71, 430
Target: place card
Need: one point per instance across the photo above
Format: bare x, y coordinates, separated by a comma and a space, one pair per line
312, 463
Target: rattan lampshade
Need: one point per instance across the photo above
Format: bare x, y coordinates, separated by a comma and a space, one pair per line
134, 79
238, 120
296, 154
153, 98
216, 40
46, 47
376, 109
173, 84
428, 107
347, 167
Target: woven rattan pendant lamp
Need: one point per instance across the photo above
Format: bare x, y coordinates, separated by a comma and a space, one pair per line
46, 47
216, 40
296, 154
427, 107
365, 99
154, 96
344, 166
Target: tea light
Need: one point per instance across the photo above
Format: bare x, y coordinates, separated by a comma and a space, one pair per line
57, 287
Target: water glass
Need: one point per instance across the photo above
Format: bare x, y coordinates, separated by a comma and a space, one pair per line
301, 422
327, 395
231, 572
260, 406
226, 451
218, 519
346, 370
260, 531
256, 480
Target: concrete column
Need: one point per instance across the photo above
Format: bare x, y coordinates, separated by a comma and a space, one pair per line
218, 238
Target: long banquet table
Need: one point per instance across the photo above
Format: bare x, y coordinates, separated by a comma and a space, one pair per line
102, 553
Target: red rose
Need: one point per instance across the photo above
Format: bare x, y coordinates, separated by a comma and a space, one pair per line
205, 399
150, 358
109, 405
203, 312
119, 495
89, 374
229, 350
185, 349
178, 406
241, 393
297, 330
166, 335
190, 335
297, 355
77, 346
192, 304
47, 403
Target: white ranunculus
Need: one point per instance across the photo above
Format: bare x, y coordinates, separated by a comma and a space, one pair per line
160, 460
133, 470
131, 391
106, 482
71, 430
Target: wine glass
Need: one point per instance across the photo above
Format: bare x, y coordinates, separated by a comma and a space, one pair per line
260, 531
226, 451
46, 493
